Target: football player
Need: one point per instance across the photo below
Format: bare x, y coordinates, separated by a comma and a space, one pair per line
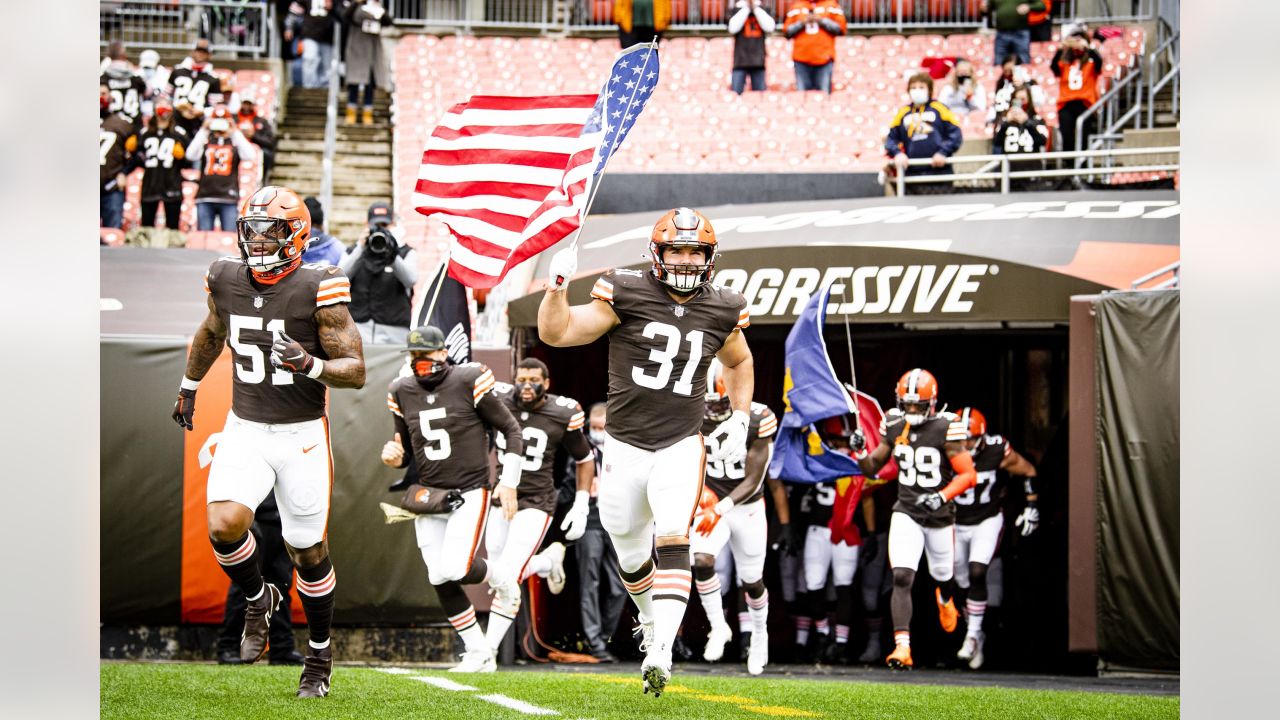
444, 412
732, 511
664, 326
933, 468
291, 339
979, 522
547, 421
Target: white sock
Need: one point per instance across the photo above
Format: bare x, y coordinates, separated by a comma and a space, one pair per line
712, 603
539, 565
974, 611
473, 638
758, 610
497, 630
671, 598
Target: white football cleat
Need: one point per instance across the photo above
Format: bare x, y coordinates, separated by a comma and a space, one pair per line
644, 635
555, 580
719, 636
758, 653
971, 651
476, 661
507, 595
655, 672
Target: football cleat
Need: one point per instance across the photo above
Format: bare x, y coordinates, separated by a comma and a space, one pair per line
719, 636
555, 580
971, 651
317, 668
480, 660
900, 658
655, 672
872, 651
507, 596
643, 634
758, 655
257, 621
947, 613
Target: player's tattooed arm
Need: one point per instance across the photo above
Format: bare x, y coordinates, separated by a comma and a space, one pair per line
341, 342
207, 344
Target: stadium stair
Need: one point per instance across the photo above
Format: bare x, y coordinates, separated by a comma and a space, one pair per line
362, 163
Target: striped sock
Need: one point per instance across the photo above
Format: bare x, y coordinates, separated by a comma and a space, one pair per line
902, 637
842, 634
462, 615
744, 621
315, 589
671, 584
823, 626
242, 562
975, 609
639, 585
803, 623
712, 602
757, 613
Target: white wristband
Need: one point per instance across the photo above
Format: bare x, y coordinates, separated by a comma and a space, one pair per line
189, 384
581, 498
724, 506
510, 473
317, 367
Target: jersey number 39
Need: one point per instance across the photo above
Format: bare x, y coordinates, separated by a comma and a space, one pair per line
918, 466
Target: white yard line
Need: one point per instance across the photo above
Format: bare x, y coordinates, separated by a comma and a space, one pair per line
517, 705
443, 683
395, 670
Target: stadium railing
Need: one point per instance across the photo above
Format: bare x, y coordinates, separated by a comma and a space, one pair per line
1086, 163
244, 27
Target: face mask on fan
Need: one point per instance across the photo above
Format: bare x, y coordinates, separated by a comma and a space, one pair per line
919, 96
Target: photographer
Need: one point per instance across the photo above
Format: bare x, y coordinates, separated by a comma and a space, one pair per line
382, 273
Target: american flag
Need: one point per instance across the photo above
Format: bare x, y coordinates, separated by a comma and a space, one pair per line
512, 176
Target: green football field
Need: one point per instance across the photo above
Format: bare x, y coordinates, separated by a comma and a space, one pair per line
189, 691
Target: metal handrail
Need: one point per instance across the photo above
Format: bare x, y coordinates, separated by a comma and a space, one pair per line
1004, 175
1108, 97
1174, 267
1173, 73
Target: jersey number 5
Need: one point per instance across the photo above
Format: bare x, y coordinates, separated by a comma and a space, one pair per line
435, 440
665, 358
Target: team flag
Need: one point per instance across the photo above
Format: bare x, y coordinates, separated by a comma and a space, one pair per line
443, 303
512, 176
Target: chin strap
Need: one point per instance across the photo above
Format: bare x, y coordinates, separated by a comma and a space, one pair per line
271, 277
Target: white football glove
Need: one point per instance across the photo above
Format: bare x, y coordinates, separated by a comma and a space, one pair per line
575, 521
732, 436
564, 264
1029, 520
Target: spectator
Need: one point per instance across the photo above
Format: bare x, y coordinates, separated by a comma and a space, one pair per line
127, 89
641, 21
114, 133
155, 76
1041, 23
259, 131
1013, 33
276, 569
1078, 68
366, 56
812, 26
1022, 132
962, 93
597, 563
749, 26
163, 146
218, 148
291, 48
382, 273
317, 43
194, 88
1012, 76
924, 128
322, 247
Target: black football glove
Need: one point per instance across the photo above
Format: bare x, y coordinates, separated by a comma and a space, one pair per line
789, 540
932, 501
453, 500
185, 408
288, 354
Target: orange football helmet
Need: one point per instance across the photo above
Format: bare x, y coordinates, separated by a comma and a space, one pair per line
718, 408
917, 395
683, 227
975, 426
273, 228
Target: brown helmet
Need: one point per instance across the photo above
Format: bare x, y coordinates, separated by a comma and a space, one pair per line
683, 227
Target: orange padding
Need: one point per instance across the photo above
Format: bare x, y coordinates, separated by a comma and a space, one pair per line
966, 476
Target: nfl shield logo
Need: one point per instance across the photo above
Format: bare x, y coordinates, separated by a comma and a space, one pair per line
431, 398
524, 416
257, 302
678, 310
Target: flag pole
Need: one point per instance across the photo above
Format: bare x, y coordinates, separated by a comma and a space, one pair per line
853, 374
595, 188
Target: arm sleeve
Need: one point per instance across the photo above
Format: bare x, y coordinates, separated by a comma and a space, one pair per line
244, 148
406, 440
966, 476
575, 443
406, 269
831, 26
738, 20
767, 23
794, 29
497, 416
197, 143
997, 139
952, 137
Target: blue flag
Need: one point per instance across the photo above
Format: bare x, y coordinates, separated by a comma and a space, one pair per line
810, 392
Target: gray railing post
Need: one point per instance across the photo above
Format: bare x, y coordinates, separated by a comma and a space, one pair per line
331, 124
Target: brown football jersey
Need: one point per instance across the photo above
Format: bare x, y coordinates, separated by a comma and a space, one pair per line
251, 312
113, 133
659, 353
923, 466
554, 423
723, 476
219, 171
983, 500
449, 438
126, 96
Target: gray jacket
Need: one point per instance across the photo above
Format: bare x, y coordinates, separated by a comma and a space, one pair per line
366, 53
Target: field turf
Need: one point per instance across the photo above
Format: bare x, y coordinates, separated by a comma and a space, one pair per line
191, 691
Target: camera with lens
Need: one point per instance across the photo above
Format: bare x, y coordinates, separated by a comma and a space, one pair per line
381, 242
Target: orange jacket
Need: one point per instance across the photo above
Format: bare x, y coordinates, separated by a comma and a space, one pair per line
1035, 18
661, 14
818, 47
1077, 80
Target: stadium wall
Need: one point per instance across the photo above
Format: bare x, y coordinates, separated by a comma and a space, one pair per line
628, 193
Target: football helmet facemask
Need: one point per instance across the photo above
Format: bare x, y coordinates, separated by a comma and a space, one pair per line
975, 427
272, 230
683, 227
917, 395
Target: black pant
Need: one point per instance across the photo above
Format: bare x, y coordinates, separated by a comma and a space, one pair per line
638, 34
598, 564
277, 569
353, 93
172, 213
1067, 116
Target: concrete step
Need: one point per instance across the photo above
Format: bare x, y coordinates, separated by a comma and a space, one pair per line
354, 161
347, 147
344, 134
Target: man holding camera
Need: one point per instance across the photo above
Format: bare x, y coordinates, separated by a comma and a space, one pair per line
382, 273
